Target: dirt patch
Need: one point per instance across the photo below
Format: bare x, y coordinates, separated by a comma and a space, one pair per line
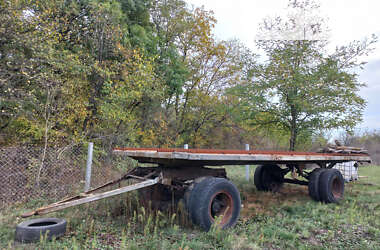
259, 203
312, 240
109, 240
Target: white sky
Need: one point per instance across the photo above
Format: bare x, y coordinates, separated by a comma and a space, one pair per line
347, 19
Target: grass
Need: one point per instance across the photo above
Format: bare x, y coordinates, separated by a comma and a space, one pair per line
287, 219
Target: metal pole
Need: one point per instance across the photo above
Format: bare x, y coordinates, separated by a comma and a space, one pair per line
247, 166
88, 166
186, 146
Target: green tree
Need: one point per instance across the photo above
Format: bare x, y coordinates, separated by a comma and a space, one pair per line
33, 71
302, 88
59, 64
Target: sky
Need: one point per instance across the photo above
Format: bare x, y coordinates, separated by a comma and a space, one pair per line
347, 20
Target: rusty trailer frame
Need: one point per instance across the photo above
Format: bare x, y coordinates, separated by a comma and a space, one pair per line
184, 175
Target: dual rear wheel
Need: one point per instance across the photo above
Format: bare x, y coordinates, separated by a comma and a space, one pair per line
326, 185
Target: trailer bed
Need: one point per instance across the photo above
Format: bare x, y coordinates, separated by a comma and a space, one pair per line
214, 157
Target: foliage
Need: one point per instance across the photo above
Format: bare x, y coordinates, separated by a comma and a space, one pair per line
152, 73
133, 72
302, 89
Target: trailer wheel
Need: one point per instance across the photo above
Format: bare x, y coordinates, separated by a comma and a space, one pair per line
31, 230
213, 198
331, 186
268, 178
314, 183
258, 177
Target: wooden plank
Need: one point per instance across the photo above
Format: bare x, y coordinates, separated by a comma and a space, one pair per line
90, 198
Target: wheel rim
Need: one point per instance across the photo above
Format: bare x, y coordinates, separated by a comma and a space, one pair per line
337, 188
221, 204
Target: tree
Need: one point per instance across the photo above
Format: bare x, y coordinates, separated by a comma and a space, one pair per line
60, 63
197, 69
33, 70
302, 88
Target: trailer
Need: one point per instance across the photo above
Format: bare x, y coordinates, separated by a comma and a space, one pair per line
197, 178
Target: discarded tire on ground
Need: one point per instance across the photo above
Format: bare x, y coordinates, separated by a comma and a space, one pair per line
331, 186
213, 199
314, 183
31, 230
268, 178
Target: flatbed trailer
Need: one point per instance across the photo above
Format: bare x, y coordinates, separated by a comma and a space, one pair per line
215, 157
184, 175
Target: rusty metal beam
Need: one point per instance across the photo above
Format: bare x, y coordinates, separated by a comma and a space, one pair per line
85, 198
294, 181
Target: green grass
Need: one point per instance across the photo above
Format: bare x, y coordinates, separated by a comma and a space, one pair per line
287, 219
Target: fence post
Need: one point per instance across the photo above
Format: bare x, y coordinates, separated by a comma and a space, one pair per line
247, 166
186, 146
88, 166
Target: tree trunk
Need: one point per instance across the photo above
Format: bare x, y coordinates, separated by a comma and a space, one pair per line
293, 139
293, 130
47, 126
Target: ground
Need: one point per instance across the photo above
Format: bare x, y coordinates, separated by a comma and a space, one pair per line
287, 219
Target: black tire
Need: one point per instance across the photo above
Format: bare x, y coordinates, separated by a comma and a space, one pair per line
213, 197
314, 183
31, 230
268, 178
257, 178
331, 186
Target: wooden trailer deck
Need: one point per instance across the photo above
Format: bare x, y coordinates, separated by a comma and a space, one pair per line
208, 157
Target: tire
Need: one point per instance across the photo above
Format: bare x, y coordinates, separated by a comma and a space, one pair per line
268, 178
314, 183
213, 197
257, 178
31, 230
331, 186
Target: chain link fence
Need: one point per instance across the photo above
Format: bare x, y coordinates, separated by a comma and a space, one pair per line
34, 173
